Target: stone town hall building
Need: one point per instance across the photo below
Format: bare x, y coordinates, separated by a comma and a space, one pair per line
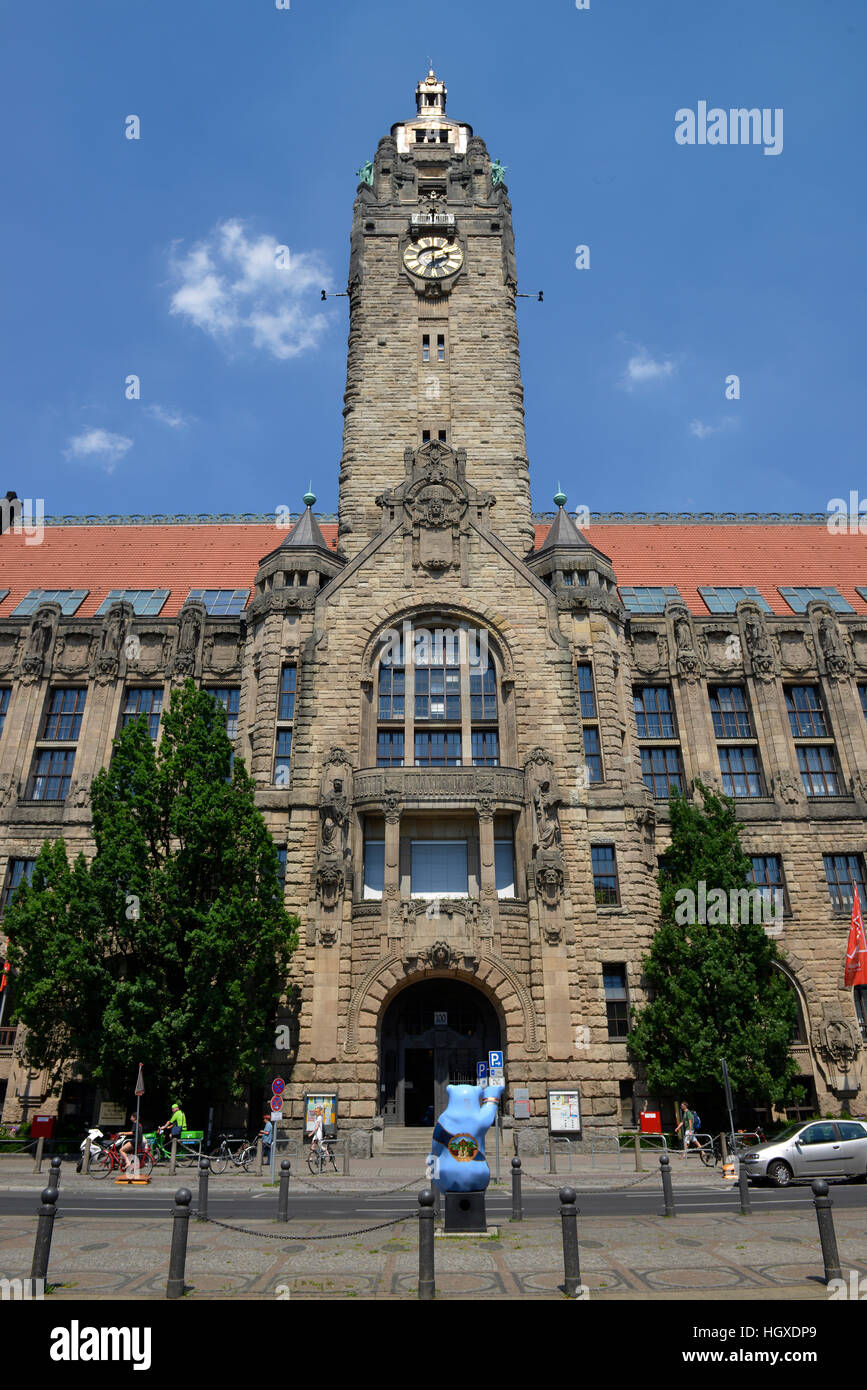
463, 719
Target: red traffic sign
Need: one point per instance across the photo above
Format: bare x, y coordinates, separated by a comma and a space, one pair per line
276, 1104
139, 1085
278, 1086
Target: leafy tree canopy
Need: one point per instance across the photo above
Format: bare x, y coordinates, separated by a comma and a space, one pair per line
716, 990
171, 947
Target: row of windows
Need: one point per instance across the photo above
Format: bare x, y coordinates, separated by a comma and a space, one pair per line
732, 720
439, 868
721, 599
146, 603
843, 872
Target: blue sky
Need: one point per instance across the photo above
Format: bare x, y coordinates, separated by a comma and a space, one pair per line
146, 256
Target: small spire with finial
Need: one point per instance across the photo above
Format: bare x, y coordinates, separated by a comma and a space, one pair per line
309, 498
560, 498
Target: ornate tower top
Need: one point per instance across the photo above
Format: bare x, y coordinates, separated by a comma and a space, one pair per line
430, 95
431, 125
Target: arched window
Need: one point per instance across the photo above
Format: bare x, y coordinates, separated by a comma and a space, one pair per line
437, 691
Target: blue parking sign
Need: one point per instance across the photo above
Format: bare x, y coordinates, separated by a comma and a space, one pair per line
495, 1061
481, 1070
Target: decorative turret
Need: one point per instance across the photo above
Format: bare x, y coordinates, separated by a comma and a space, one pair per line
303, 562
568, 563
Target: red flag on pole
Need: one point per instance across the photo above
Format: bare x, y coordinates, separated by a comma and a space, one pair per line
7, 971
856, 951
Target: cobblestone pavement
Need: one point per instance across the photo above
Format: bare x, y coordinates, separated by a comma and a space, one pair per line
717, 1257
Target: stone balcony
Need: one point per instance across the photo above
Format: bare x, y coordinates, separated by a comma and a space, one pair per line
442, 788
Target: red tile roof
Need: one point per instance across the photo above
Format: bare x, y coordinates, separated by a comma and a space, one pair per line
222, 556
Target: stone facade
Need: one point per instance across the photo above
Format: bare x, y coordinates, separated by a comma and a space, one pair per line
437, 533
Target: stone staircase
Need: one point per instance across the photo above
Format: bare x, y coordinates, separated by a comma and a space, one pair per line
401, 1142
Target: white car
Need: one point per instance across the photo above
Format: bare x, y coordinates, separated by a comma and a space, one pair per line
819, 1149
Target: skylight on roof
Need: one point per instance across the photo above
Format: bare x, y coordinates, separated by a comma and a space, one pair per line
798, 598
222, 603
70, 601
725, 599
646, 599
146, 603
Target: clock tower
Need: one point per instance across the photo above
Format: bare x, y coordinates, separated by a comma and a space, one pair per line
433, 341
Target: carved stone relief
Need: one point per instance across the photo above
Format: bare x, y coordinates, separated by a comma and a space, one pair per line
649, 649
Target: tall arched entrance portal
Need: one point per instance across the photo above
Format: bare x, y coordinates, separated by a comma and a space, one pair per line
433, 1033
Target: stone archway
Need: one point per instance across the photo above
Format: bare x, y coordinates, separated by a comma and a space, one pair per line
491, 975
432, 1033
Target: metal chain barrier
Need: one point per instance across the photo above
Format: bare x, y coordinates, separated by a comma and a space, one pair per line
338, 1235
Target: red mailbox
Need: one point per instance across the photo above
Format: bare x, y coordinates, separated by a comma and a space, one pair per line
651, 1122
42, 1127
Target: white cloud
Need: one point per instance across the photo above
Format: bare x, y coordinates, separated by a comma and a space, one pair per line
641, 368
701, 430
173, 418
238, 288
100, 446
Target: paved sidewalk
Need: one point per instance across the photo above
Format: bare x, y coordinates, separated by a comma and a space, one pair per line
382, 1175
693, 1256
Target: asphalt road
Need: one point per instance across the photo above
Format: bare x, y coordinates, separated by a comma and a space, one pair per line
368, 1207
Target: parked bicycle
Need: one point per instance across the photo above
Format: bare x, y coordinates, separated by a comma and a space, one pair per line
188, 1150
710, 1151
320, 1158
241, 1156
110, 1160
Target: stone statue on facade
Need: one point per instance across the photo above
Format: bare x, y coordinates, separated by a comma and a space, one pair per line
758, 643
333, 856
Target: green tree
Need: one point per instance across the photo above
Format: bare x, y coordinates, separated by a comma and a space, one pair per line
716, 988
172, 946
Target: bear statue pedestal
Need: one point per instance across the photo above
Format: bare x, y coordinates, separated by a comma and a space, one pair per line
464, 1211
457, 1159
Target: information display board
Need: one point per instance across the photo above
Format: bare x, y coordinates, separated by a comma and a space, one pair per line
564, 1112
328, 1101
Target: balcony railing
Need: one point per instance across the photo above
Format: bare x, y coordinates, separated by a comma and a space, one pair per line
7, 1039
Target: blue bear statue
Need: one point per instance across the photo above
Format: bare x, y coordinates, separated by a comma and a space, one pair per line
458, 1151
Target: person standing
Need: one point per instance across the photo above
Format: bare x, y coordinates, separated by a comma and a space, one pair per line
318, 1134
266, 1135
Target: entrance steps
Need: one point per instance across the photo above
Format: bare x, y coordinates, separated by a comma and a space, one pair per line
398, 1141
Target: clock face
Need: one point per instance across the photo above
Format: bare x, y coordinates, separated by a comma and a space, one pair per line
433, 257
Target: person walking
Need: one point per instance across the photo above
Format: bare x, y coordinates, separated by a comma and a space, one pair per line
689, 1124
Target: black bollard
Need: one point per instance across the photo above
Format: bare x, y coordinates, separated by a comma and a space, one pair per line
517, 1208
204, 1174
665, 1168
180, 1230
283, 1195
54, 1172
823, 1204
744, 1185
42, 1248
569, 1222
426, 1284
